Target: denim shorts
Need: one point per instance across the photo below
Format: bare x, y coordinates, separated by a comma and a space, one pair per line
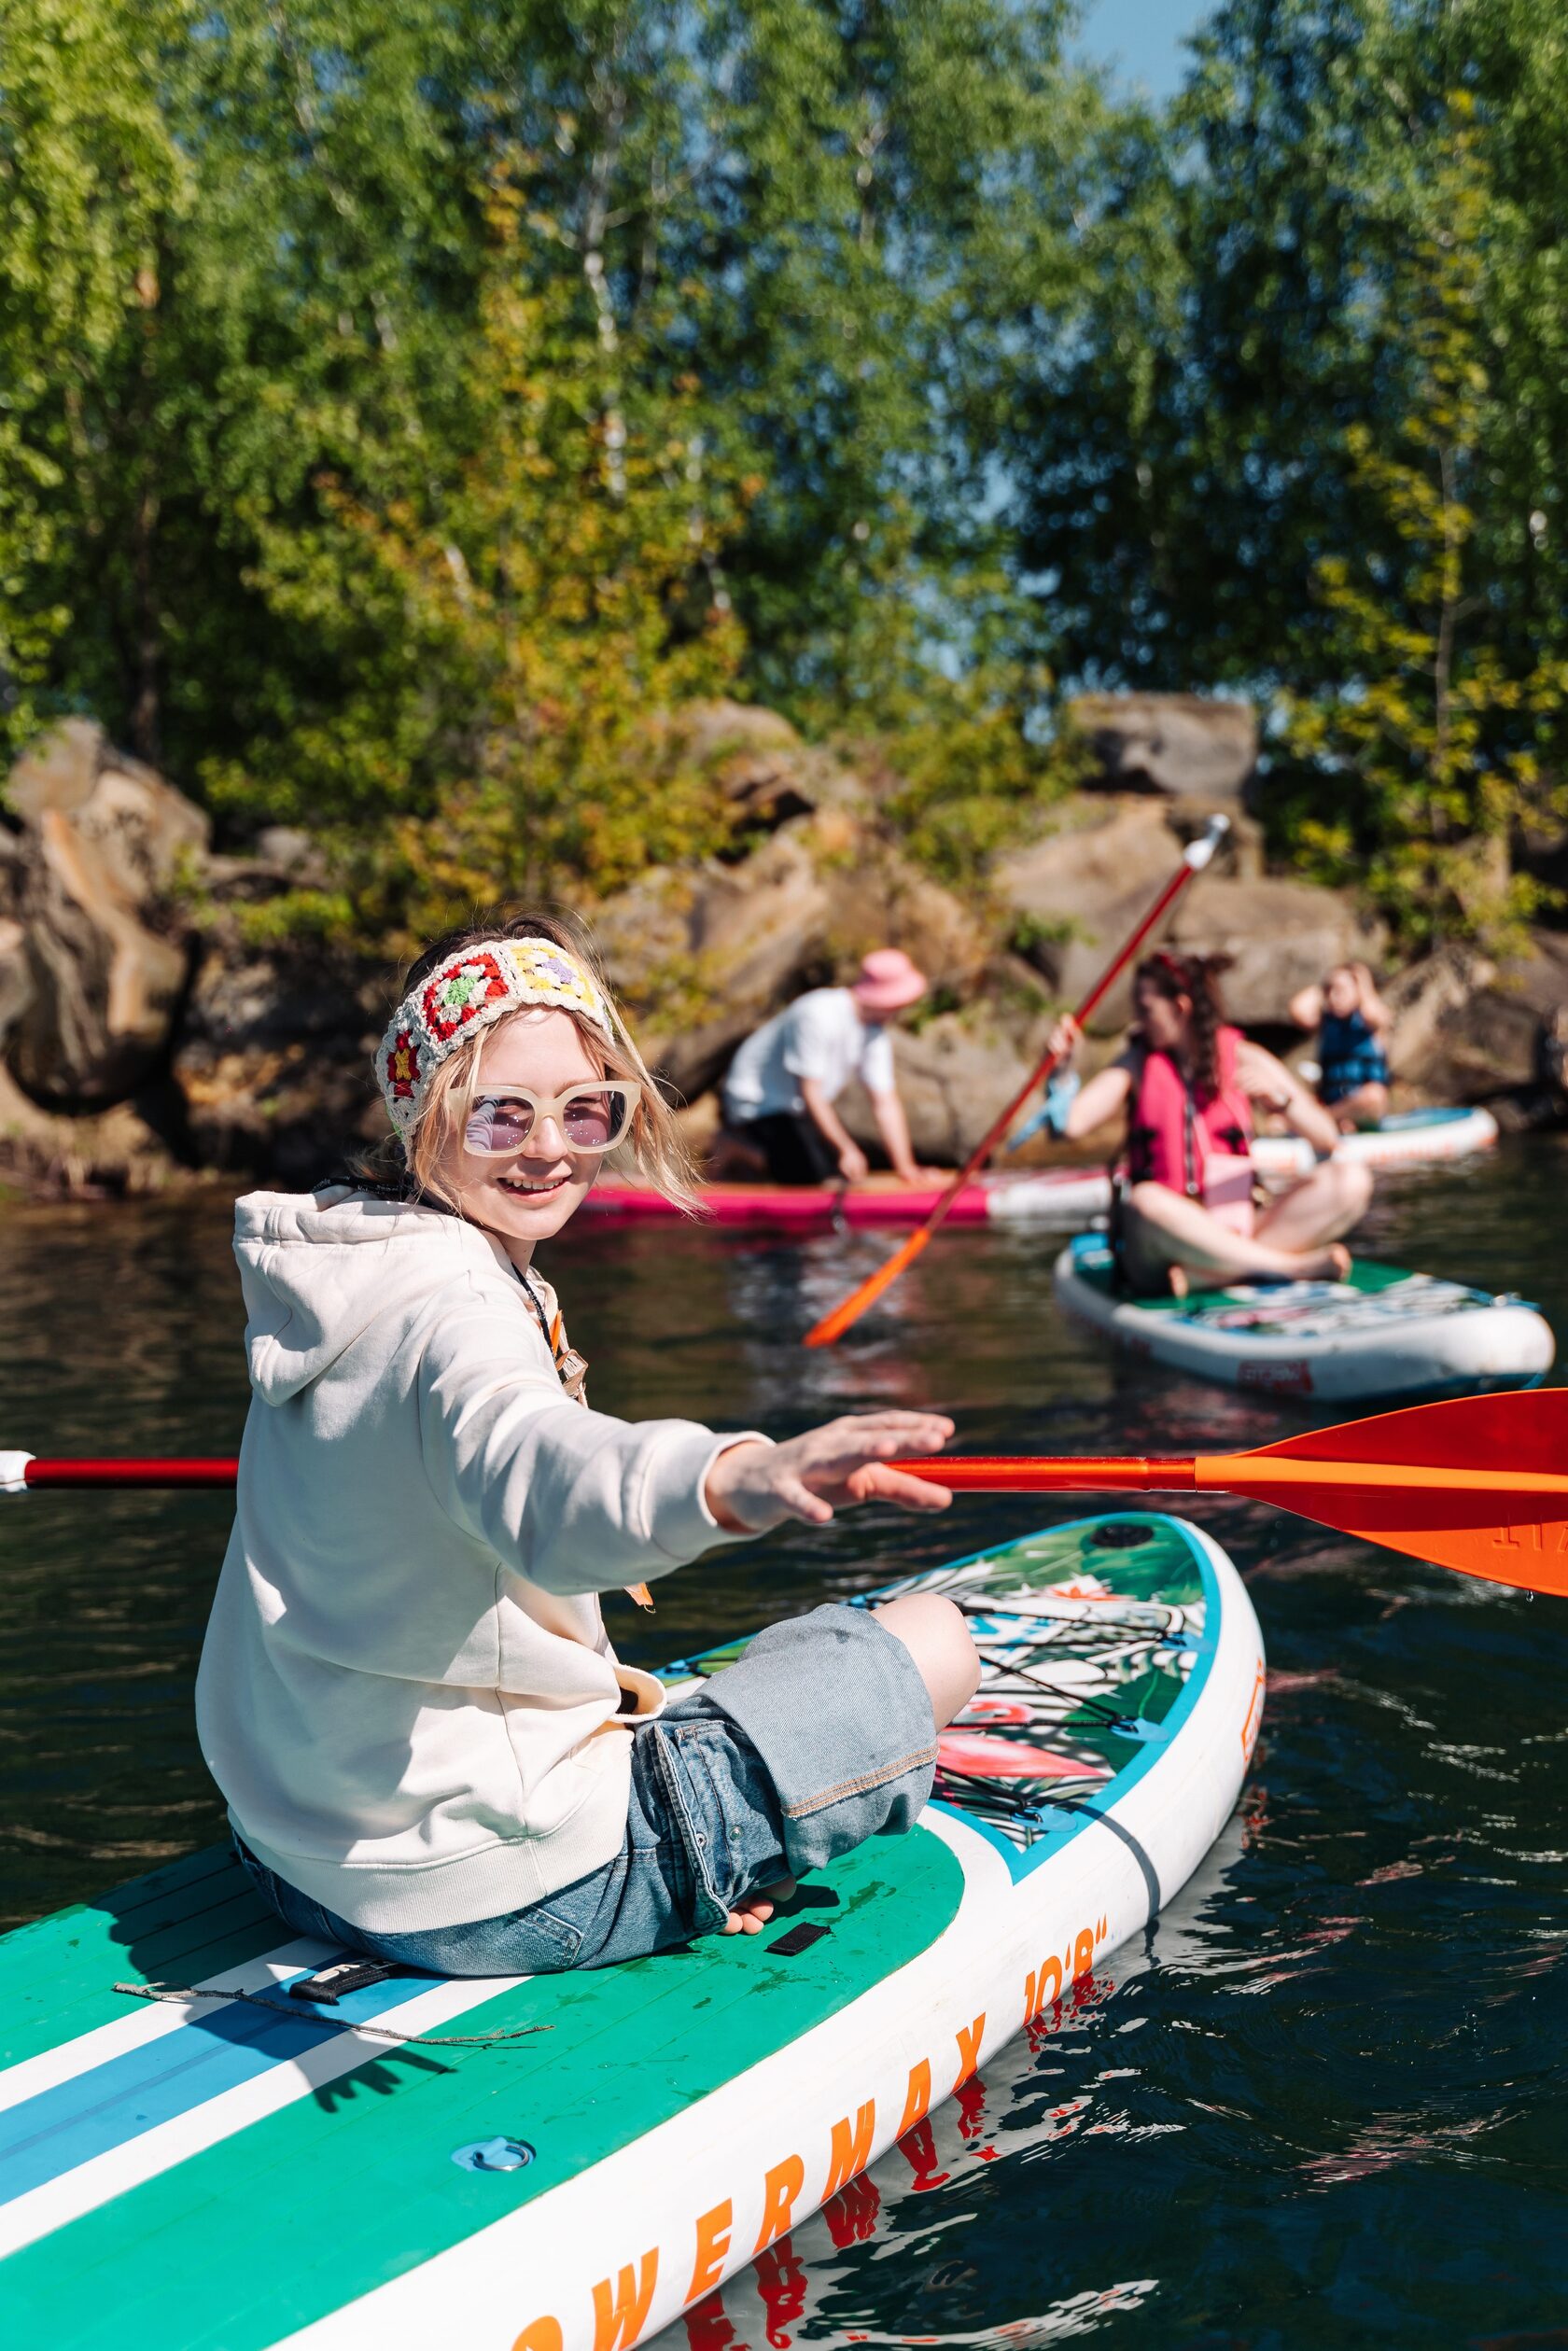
820, 1737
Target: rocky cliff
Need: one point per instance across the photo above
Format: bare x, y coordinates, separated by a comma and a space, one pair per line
146, 1038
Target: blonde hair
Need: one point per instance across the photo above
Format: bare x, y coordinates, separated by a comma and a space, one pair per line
656, 1143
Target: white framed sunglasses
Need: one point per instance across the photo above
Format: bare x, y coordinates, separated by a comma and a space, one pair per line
592, 1117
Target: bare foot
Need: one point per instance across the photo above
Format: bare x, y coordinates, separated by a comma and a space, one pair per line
755, 1909
1325, 1265
1177, 1277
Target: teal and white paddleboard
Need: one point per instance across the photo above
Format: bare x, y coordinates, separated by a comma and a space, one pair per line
223, 2176
1411, 1138
1381, 1332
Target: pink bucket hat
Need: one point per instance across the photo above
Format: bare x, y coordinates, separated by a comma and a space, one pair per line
888, 981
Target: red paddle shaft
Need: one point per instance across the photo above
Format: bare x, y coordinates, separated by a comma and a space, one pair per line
32, 1471
1018, 1473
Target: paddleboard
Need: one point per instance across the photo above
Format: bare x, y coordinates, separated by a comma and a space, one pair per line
1052, 2086
224, 2177
1381, 1332
1411, 1138
1060, 1197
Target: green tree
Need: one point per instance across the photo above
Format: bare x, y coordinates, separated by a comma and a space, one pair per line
518, 630
1446, 751
801, 213
92, 191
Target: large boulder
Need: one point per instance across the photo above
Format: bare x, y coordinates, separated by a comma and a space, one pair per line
764, 770
1283, 937
104, 988
1075, 895
955, 1073
1182, 745
143, 830
1468, 1029
705, 954
274, 1063
102, 846
16, 976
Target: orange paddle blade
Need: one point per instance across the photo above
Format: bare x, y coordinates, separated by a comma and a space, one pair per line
1479, 1485
1507, 1526
851, 1309
1522, 1429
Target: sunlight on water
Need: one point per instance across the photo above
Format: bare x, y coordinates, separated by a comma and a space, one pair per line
1310, 2107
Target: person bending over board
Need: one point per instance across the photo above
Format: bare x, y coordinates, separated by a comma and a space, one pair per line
1184, 1214
1352, 1020
779, 1120
428, 1748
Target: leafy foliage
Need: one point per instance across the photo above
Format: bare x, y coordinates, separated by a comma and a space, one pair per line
518, 632
404, 409
1444, 744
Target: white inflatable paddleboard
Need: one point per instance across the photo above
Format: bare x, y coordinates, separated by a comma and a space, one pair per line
1412, 1138
1381, 1332
223, 2176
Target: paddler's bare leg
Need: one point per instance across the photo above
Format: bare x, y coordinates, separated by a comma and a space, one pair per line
1330, 1201
1364, 1107
937, 1638
1164, 1228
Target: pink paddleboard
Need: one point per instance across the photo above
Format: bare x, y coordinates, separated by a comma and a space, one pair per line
1060, 1197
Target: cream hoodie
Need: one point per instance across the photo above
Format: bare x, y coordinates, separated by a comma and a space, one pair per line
407, 1694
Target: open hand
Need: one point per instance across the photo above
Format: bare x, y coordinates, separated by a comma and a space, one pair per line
752, 1487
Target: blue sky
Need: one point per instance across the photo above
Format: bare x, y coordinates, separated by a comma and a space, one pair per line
1140, 38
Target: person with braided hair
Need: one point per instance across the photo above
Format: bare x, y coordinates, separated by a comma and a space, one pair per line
1184, 1214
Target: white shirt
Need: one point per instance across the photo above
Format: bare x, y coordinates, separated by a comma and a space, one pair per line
819, 1036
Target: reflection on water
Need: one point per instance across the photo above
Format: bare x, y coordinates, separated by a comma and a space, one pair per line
1325, 2103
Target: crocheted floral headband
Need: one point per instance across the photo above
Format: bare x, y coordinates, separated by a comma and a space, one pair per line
472, 987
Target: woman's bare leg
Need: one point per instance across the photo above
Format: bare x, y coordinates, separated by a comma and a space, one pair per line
937, 1638
1364, 1107
1322, 1206
1165, 1229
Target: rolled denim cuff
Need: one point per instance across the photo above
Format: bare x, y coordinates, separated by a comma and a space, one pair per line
837, 1709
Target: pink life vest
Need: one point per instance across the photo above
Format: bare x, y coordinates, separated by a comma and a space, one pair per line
1201, 1149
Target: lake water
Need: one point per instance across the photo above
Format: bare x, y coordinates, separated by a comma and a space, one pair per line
1325, 2102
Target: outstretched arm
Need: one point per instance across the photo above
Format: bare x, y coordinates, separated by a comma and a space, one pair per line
852, 1161
893, 1127
1373, 1012
578, 1501
1103, 1096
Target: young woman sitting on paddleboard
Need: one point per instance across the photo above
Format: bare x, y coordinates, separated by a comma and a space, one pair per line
1188, 1082
428, 1748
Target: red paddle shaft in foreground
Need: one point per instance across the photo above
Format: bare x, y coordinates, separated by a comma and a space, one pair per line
20, 1472
834, 1324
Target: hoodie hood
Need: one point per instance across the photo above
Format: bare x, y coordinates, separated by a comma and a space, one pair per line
317, 1268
